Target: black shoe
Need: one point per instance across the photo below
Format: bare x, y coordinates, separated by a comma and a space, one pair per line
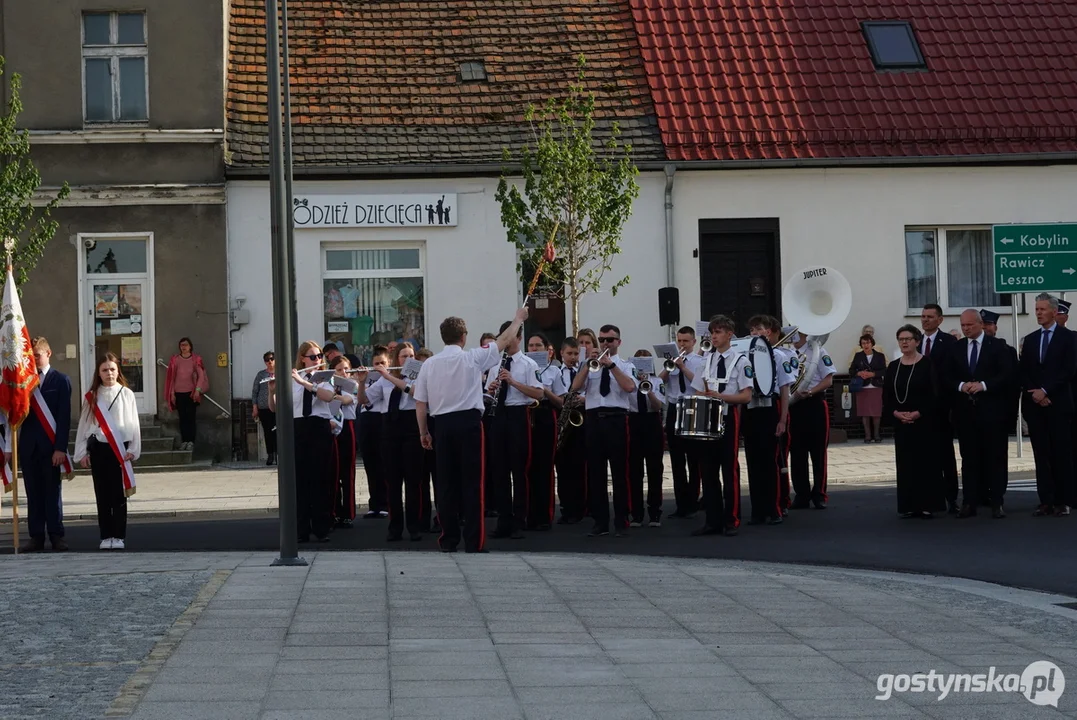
544, 527
321, 538
818, 503
756, 521
951, 508
967, 512
785, 512
620, 533
1042, 511
435, 529
58, 543
490, 513
706, 530
516, 535
563, 521
599, 531
731, 530
449, 549
501, 534
908, 515
345, 524
927, 515
776, 520
416, 537
304, 538
481, 550
394, 537
32, 545
799, 504
371, 515
998, 513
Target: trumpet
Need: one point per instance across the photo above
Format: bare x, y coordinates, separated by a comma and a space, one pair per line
671, 363
706, 346
645, 387
594, 366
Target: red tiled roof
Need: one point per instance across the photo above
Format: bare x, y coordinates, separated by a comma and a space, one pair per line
792, 79
376, 81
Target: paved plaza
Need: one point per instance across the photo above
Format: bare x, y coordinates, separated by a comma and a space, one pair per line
506, 635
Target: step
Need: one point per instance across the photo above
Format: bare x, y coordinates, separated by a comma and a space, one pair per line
157, 444
148, 431
144, 469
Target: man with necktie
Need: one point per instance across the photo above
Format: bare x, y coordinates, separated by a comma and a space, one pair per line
608, 392
572, 457
683, 452
1048, 363
43, 452
516, 387
935, 347
977, 371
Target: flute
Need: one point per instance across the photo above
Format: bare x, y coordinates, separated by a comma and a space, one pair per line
371, 369
272, 378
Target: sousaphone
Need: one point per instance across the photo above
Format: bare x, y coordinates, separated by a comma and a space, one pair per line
817, 300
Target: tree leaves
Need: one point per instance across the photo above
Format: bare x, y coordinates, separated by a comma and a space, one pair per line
31, 227
574, 192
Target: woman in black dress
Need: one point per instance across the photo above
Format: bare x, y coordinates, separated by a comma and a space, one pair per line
910, 396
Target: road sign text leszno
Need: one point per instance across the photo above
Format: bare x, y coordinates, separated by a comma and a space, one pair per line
1035, 258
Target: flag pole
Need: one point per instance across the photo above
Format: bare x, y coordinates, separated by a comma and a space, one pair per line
15, 488
541, 265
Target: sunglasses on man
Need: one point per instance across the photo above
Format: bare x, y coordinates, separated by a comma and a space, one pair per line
608, 339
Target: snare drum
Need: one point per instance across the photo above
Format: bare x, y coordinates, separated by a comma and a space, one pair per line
699, 417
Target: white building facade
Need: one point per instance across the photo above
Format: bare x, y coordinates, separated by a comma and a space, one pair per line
383, 260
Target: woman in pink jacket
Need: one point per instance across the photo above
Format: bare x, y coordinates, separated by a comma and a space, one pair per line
184, 384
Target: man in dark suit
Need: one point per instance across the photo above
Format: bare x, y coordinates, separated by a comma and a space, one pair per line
1048, 364
1013, 384
978, 370
935, 346
43, 452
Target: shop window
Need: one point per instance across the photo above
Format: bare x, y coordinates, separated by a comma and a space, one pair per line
373, 296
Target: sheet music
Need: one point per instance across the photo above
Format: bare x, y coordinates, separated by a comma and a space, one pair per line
666, 351
321, 376
345, 384
541, 358
644, 365
411, 368
703, 331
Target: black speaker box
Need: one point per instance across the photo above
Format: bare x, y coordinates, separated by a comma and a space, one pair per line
669, 306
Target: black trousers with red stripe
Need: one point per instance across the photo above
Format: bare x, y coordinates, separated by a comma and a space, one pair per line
543, 437
369, 442
646, 454
488, 458
685, 461
607, 444
761, 454
572, 474
510, 436
809, 434
721, 496
458, 444
344, 495
404, 461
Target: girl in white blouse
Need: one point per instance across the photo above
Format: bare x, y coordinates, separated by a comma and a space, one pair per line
315, 451
92, 449
344, 491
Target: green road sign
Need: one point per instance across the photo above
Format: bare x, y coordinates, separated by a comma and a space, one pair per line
1035, 258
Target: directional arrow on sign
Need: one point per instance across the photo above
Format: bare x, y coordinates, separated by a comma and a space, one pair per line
1069, 271
1005, 241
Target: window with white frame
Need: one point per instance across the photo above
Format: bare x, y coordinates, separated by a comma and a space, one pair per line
114, 58
373, 296
951, 266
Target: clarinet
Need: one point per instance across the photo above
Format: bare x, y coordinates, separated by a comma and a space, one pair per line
492, 411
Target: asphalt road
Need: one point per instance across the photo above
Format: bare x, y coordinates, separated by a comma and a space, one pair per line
860, 529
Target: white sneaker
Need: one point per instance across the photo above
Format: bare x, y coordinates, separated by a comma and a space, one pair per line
654, 523
117, 544
634, 523
106, 544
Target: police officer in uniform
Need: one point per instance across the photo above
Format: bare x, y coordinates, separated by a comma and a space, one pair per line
809, 431
722, 376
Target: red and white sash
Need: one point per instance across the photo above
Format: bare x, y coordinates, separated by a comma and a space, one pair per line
40, 408
112, 435
5, 453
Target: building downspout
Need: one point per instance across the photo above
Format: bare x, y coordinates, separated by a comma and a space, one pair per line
671, 170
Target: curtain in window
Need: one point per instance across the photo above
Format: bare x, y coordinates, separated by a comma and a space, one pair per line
970, 270
920, 267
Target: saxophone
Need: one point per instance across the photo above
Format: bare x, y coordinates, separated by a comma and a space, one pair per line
571, 416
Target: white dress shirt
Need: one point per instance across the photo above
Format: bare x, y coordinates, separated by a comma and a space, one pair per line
451, 381
124, 414
658, 392
524, 371
318, 408
618, 398
736, 378
933, 337
567, 376
968, 356
553, 380
823, 368
379, 394
672, 383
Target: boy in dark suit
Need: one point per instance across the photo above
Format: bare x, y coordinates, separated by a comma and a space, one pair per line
1048, 363
978, 370
43, 452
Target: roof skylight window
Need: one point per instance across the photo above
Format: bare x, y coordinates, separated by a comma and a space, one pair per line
472, 70
893, 46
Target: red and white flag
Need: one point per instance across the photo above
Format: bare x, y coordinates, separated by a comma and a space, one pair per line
549, 254
18, 372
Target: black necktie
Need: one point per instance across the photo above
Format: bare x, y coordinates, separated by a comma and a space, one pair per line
974, 357
503, 392
680, 376
604, 386
394, 403
308, 403
642, 400
719, 371
571, 377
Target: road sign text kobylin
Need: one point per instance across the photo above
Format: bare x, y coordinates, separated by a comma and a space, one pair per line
1037, 241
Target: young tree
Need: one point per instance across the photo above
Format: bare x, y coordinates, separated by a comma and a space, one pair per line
31, 227
575, 194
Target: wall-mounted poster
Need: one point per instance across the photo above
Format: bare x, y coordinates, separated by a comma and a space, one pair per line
131, 351
121, 327
130, 300
106, 301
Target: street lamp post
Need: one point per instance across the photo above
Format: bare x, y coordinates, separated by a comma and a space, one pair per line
283, 296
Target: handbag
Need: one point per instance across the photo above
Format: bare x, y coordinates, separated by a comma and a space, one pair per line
856, 384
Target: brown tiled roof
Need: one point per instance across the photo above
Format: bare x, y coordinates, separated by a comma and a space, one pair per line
376, 83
